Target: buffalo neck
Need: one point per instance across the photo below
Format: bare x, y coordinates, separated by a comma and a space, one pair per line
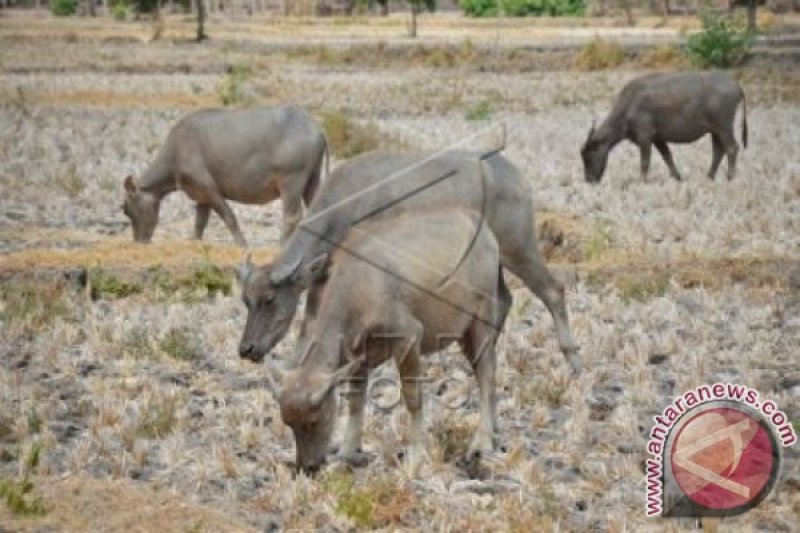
329, 332
311, 238
612, 130
324, 354
158, 179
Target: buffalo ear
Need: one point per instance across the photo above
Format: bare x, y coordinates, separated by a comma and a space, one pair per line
130, 186
315, 269
280, 273
244, 270
588, 140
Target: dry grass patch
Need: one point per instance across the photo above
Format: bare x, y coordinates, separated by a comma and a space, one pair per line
639, 278
378, 501
84, 504
115, 99
32, 306
561, 235
666, 56
348, 137
599, 54
121, 253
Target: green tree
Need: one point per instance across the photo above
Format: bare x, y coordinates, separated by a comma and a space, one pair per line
723, 42
64, 8
480, 8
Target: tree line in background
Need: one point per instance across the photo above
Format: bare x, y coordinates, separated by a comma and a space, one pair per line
723, 41
475, 8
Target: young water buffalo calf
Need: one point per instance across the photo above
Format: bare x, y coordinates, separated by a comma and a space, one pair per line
657, 109
399, 288
251, 156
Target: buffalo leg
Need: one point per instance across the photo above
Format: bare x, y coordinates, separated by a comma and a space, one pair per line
731, 150
225, 212
666, 155
410, 374
716, 156
292, 208
504, 301
202, 212
644, 151
527, 264
479, 348
351, 445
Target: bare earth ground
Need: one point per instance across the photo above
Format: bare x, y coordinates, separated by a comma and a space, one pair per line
129, 380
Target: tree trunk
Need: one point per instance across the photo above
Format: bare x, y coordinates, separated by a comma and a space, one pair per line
385, 9
751, 15
92, 9
158, 23
412, 31
201, 20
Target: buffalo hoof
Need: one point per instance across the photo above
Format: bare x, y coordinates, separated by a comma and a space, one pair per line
356, 459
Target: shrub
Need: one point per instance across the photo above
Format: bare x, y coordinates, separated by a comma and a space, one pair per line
178, 344
554, 8
212, 279
158, 419
346, 137
723, 42
642, 287
33, 306
480, 8
119, 12
105, 285
351, 501
600, 240
482, 111
17, 493
230, 88
64, 8
599, 54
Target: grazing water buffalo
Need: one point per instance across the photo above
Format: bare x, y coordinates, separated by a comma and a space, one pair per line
380, 184
657, 109
398, 288
252, 156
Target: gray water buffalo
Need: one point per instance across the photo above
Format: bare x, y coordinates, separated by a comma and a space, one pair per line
381, 184
252, 156
396, 289
657, 109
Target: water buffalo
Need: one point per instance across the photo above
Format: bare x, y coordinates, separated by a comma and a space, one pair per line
381, 184
657, 109
252, 156
397, 289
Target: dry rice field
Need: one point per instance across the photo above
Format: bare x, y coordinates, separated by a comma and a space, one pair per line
122, 397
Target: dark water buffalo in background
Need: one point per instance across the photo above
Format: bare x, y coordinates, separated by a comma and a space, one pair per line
430, 279
383, 184
251, 156
657, 109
